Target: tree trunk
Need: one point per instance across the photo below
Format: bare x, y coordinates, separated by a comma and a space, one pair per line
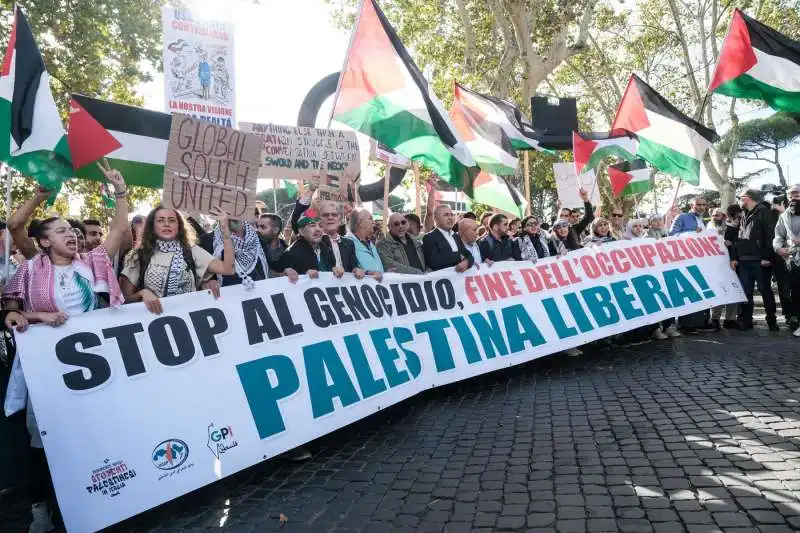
781, 176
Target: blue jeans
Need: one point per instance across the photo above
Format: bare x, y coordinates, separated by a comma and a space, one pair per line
750, 274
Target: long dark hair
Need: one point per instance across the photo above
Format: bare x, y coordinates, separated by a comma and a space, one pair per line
145, 252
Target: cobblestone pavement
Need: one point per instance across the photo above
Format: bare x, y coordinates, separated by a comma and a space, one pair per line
699, 434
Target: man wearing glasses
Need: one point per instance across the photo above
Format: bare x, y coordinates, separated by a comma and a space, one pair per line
691, 221
399, 251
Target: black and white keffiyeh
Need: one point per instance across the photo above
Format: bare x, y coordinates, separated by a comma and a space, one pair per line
528, 250
175, 277
247, 252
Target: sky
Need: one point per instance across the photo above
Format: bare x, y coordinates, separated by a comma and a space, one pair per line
284, 47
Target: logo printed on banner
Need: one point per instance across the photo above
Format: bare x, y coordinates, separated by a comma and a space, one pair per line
110, 478
170, 454
220, 440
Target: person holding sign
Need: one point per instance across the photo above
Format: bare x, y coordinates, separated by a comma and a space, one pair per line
168, 262
57, 283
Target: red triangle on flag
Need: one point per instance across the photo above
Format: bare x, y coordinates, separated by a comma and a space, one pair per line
88, 140
631, 114
619, 179
737, 55
12, 44
481, 179
582, 150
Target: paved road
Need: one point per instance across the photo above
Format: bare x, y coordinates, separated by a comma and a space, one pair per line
700, 434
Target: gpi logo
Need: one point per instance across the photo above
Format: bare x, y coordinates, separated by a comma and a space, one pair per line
217, 435
220, 439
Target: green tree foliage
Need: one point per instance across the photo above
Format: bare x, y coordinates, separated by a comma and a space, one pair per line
762, 139
102, 49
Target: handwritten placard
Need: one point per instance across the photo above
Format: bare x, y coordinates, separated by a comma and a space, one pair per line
210, 166
568, 185
330, 187
290, 152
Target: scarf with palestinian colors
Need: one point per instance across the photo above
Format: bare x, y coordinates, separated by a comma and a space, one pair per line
33, 285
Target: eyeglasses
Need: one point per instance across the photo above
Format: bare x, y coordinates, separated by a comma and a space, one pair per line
616, 215
329, 215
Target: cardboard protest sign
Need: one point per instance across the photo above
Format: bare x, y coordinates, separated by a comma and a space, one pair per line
290, 152
381, 152
330, 187
568, 185
211, 166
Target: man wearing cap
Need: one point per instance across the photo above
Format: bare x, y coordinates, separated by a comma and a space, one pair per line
753, 255
309, 254
787, 245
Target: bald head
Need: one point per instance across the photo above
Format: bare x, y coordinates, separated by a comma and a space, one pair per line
398, 226
468, 231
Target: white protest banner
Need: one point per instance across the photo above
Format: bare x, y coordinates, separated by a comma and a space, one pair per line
381, 152
211, 166
199, 66
137, 409
294, 152
568, 185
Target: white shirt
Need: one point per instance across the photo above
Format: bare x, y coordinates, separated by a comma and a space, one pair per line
336, 252
448, 235
68, 295
475, 250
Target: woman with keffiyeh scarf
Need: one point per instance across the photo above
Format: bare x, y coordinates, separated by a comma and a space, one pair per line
601, 232
535, 243
57, 283
168, 262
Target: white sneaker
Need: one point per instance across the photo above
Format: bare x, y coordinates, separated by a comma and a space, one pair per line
42, 519
672, 331
660, 335
796, 332
573, 352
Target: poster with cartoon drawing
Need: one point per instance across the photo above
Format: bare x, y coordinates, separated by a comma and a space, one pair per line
198, 66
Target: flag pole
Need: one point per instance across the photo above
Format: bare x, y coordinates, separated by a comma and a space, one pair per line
344, 63
7, 251
386, 198
275, 194
418, 209
527, 184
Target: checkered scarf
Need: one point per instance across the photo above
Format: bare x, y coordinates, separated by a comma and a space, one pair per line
176, 267
247, 252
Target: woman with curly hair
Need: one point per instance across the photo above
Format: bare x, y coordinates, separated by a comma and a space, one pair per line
169, 262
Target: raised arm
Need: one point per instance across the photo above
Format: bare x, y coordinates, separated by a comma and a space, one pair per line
588, 213
223, 267
16, 224
119, 225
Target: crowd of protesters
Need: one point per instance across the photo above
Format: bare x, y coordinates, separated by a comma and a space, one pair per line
62, 268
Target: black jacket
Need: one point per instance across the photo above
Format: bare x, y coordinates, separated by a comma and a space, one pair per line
503, 250
438, 253
299, 209
756, 232
301, 257
347, 250
576, 230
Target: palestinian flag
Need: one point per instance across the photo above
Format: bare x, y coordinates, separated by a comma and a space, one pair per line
384, 95
760, 63
33, 140
134, 140
668, 139
486, 140
588, 153
497, 192
629, 177
106, 196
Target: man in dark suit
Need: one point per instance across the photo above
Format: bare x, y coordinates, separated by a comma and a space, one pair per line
441, 247
309, 254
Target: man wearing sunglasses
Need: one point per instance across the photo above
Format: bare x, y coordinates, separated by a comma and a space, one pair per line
399, 251
617, 224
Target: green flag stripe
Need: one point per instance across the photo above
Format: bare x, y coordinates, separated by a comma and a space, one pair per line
746, 86
670, 161
136, 173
